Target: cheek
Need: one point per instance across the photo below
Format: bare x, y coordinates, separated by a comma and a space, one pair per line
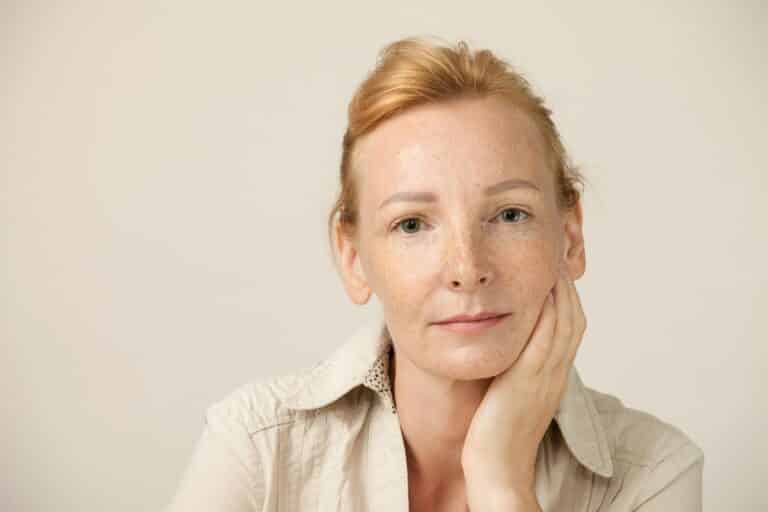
401, 279
403, 270
531, 268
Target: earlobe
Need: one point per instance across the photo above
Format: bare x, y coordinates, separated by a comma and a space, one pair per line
352, 273
360, 292
574, 257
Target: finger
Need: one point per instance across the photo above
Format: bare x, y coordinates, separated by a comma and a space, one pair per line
580, 323
539, 345
564, 328
570, 347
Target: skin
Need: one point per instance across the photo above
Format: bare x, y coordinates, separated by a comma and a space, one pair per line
472, 407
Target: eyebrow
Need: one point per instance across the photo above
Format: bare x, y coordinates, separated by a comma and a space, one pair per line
429, 197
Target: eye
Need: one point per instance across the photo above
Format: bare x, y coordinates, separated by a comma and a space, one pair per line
514, 210
412, 222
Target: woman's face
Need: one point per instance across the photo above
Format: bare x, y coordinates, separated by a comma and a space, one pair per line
440, 234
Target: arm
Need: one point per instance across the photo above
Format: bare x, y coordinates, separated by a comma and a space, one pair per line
502, 442
675, 483
217, 478
507, 501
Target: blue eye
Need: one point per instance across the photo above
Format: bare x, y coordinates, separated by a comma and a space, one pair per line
413, 223
409, 221
514, 210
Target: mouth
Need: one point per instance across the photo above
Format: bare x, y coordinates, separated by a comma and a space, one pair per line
473, 326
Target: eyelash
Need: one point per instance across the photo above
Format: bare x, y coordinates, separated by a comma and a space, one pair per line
397, 223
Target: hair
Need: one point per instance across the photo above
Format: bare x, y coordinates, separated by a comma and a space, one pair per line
415, 71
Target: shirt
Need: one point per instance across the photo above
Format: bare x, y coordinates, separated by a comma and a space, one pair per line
329, 439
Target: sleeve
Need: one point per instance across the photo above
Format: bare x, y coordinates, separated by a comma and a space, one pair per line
223, 474
675, 483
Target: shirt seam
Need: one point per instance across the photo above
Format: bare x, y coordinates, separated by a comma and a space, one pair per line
270, 426
596, 429
626, 456
633, 462
682, 470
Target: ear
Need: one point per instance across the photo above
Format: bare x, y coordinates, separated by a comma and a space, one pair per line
574, 257
350, 267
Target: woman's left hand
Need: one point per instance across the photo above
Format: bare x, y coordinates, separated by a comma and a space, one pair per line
499, 453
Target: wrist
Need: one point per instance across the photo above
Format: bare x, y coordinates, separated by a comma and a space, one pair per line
502, 484
503, 500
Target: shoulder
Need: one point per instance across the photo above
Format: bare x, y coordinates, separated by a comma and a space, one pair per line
640, 438
654, 462
237, 453
257, 405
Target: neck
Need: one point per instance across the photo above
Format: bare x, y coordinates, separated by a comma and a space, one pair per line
435, 413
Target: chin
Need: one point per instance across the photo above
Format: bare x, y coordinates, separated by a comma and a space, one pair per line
478, 362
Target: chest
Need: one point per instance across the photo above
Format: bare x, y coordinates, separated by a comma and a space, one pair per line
453, 499
354, 458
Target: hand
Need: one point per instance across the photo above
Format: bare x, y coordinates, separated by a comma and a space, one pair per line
499, 454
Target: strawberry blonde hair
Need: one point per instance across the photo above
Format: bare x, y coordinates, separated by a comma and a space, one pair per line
415, 71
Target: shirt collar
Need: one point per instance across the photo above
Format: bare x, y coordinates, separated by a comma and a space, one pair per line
363, 360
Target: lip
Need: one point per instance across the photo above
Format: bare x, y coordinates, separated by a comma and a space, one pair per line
483, 315
471, 327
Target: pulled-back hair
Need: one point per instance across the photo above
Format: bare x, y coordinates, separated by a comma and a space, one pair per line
415, 71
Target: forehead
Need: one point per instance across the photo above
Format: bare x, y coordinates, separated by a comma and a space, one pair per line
478, 139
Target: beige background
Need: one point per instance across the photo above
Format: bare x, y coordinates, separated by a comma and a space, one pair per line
167, 168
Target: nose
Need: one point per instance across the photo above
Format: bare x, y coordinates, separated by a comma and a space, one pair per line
467, 265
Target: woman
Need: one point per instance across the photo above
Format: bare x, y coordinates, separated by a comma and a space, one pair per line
459, 210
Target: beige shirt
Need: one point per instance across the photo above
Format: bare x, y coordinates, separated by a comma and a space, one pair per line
329, 439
